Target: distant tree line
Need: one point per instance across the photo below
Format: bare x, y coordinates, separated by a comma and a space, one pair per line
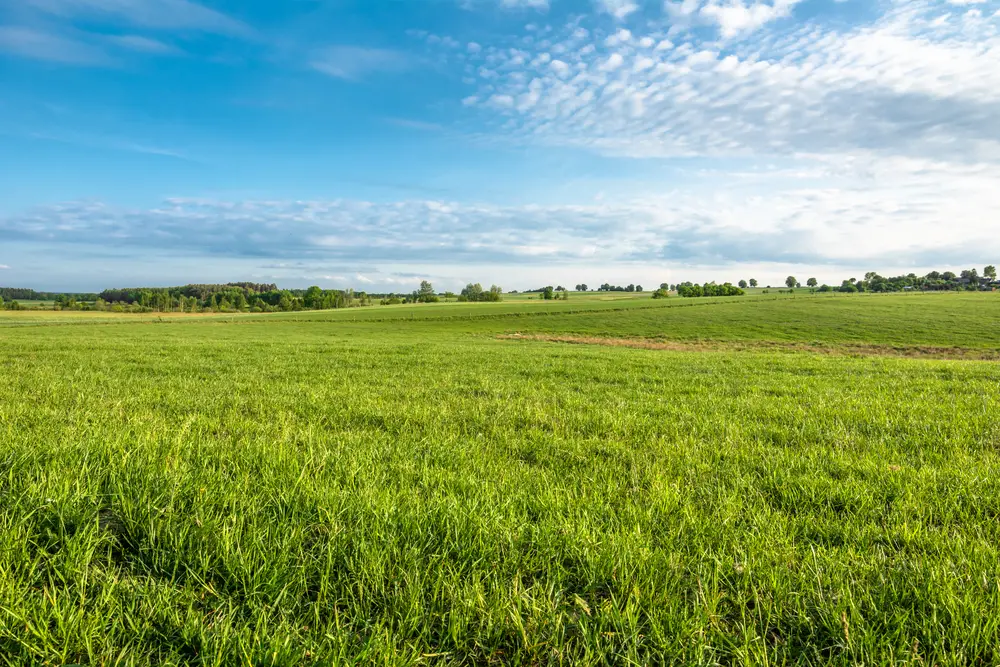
266, 297
617, 288
935, 281
24, 294
235, 297
550, 293
967, 280
472, 292
229, 297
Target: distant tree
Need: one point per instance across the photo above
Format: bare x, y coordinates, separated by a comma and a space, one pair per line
449, 295
548, 293
565, 295
753, 282
665, 286
790, 282
313, 298
630, 288
812, 282
972, 276
473, 292
990, 272
560, 289
690, 290
425, 294
638, 288
743, 284
661, 293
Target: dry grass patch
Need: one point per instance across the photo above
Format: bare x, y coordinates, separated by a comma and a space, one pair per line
846, 349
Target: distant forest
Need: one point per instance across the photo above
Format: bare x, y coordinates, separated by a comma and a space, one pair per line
267, 297
24, 294
935, 281
233, 297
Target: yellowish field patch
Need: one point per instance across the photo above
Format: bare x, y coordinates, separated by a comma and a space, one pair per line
848, 349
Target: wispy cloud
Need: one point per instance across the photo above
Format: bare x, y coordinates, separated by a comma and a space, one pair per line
535, 4
415, 124
38, 45
105, 142
143, 44
869, 210
505, 4
157, 14
353, 62
4, 267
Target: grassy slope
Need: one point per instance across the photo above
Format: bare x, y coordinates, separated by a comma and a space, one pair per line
965, 320
290, 489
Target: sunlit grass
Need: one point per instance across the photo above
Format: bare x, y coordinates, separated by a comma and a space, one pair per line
315, 489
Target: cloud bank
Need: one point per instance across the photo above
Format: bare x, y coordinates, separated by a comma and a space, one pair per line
873, 211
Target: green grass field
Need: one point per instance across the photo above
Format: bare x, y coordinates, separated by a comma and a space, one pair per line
452, 485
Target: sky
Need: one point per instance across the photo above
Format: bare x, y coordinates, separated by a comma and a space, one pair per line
375, 143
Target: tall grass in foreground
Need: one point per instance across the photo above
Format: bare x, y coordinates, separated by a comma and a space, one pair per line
292, 494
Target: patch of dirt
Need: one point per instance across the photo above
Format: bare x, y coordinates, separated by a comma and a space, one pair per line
844, 349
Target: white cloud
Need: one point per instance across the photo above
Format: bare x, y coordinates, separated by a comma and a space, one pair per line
731, 17
4, 267
613, 62
617, 8
735, 17
559, 67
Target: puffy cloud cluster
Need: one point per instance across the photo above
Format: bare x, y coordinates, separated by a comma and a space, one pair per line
921, 81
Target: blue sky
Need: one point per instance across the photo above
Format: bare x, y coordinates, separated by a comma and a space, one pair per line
519, 142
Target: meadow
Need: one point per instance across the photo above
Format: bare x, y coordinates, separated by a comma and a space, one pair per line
765, 479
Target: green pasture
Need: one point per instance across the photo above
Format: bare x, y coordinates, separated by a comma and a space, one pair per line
418, 485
